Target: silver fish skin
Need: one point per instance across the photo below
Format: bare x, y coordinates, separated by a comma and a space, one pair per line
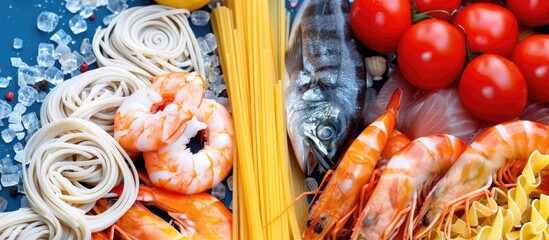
325, 83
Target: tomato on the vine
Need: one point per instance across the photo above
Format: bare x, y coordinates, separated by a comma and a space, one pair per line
531, 56
379, 24
489, 28
531, 13
431, 54
445, 5
493, 88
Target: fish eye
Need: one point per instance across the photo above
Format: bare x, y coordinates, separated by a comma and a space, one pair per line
325, 132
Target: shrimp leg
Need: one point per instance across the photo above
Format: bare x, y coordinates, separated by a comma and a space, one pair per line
474, 169
341, 193
419, 163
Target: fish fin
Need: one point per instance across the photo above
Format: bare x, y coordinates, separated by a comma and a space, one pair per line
309, 162
294, 54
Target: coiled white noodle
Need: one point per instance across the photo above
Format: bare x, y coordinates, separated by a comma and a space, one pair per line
72, 164
94, 95
24, 224
149, 41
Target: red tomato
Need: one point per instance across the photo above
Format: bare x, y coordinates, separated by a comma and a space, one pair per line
446, 5
379, 24
531, 13
489, 28
493, 88
531, 56
431, 54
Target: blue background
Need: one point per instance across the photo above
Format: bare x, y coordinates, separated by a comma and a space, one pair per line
18, 20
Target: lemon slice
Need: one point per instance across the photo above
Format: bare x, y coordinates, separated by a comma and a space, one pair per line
191, 5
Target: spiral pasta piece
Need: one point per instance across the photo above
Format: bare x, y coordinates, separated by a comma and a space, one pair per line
512, 215
71, 164
26, 224
149, 41
94, 95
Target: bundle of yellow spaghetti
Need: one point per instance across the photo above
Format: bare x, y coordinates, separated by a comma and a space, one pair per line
252, 36
519, 213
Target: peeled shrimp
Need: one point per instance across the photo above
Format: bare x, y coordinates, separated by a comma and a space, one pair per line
473, 172
154, 117
176, 168
199, 216
411, 170
342, 192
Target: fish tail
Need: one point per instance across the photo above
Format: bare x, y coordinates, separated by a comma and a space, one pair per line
394, 102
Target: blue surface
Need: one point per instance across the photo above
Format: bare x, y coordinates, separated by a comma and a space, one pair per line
18, 20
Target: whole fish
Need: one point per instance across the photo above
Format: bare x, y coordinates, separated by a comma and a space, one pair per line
325, 83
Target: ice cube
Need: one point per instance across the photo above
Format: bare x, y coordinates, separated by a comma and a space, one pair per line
209, 94
19, 156
41, 97
117, 6
75, 72
61, 37
210, 41
20, 184
14, 117
54, 75
45, 48
68, 63
61, 50
220, 88
221, 79
25, 202
27, 95
4, 82
30, 121
89, 58
204, 48
311, 184
85, 46
219, 191
18, 147
3, 203
213, 3
9, 180
20, 135
225, 102
87, 10
17, 43
108, 19
5, 162
5, 109
79, 58
45, 60
200, 18
8, 135
16, 127
230, 183
100, 3
214, 60
16, 61
73, 5
77, 24
20, 108
30, 75
293, 3
47, 21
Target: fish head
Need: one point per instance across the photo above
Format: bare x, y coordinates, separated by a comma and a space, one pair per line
320, 136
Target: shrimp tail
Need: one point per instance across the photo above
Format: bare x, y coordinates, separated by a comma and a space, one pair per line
394, 102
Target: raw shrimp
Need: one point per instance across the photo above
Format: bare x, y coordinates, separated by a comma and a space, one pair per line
176, 168
154, 117
198, 216
341, 194
412, 169
473, 172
